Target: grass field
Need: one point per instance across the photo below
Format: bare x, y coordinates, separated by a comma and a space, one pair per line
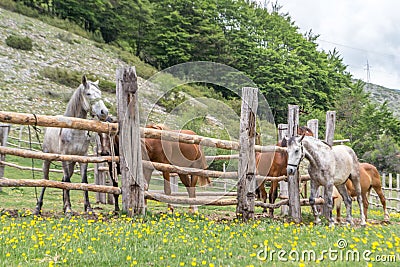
212, 237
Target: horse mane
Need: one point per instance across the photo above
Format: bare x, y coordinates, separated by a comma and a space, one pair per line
157, 126
305, 130
75, 106
326, 143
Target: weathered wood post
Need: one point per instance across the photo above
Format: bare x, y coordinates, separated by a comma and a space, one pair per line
247, 165
330, 127
4, 129
293, 180
313, 125
283, 185
133, 184
329, 137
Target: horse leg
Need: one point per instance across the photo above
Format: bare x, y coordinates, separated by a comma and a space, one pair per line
115, 184
191, 190
68, 168
273, 194
86, 205
147, 176
192, 194
338, 206
328, 205
356, 183
347, 202
378, 190
313, 193
167, 188
39, 204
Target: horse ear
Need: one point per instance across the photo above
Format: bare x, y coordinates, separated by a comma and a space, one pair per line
96, 82
301, 138
84, 81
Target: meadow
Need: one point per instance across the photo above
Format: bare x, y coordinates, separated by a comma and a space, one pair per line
211, 237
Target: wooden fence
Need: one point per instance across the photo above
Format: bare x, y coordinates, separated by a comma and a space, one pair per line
391, 191
133, 193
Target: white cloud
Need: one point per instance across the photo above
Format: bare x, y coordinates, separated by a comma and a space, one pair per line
360, 30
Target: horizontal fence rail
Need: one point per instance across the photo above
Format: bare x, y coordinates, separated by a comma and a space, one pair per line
58, 121
54, 157
391, 193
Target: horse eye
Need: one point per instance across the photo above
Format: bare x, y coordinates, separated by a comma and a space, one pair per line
88, 94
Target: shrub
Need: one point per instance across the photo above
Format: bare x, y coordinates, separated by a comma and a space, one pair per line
72, 78
19, 42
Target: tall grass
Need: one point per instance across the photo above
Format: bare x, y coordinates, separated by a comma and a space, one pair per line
180, 239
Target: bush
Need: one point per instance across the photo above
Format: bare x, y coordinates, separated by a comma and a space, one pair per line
19, 42
72, 78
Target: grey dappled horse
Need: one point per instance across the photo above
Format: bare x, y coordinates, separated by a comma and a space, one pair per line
328, 166
85, 100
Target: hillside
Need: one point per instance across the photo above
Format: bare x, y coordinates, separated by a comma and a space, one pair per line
380, 94
24, 89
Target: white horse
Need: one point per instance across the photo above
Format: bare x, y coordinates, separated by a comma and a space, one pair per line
85, 100
328, 166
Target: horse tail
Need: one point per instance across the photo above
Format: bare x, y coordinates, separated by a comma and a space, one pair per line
202, 180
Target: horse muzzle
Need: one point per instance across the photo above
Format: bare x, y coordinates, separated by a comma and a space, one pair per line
291, 170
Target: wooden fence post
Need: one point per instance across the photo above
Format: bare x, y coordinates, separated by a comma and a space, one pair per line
330, 127
329, 137
283, 185
4, 129
313, 125
133, 184
293, 180
247, 165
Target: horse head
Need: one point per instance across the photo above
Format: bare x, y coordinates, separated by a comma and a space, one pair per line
92, 97
295, 152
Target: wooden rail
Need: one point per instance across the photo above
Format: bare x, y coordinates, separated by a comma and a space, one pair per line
58, 121
54, 157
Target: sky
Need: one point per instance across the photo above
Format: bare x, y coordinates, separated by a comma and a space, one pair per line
361, 30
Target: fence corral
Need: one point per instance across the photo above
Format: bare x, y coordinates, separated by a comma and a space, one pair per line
392, 193
133, 200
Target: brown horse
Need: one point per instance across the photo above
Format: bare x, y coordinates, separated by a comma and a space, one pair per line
180, 154
369, 178
156, 150
274, 164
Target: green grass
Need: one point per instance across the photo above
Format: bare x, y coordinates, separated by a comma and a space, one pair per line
213, 237
179, 239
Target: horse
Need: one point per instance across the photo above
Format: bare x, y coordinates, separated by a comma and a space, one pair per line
274, 164
85, 100
369, 178
328, 166
180, 154
157, 150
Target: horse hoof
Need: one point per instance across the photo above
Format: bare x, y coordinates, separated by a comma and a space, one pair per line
193, 210
68, 211
37, 212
